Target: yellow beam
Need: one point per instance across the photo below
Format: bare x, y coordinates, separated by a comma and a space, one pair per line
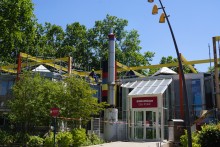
127, 69
8, 70
189, 65
217, 38
169, 64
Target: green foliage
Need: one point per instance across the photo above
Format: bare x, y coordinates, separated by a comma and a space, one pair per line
170, 59
17, 29
8, 138
5, 138
20, 32
211, 69
184, 139
79, 137
79, 101
35, 141
209, 135
33, 96
94, 139
49, 140
64, 139
20, 137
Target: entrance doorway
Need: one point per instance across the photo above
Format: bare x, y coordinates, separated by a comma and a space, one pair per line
145, 125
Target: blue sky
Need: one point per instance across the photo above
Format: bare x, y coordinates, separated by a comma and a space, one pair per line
194, 22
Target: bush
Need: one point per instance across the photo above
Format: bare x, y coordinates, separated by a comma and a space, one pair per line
95, 139
64, 139
209, 136
79, 137
5, 138
35, 141
49, 140
184, 139
20, 138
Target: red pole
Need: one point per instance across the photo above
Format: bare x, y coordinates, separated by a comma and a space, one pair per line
19, 67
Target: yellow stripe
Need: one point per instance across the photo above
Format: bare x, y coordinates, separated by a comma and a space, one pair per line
104, 86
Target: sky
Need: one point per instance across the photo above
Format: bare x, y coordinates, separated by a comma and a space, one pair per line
194, 23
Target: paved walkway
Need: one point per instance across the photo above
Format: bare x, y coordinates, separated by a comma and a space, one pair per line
131, 144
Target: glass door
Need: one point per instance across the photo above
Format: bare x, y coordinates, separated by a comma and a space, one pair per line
150, 125
144, 127
138, 125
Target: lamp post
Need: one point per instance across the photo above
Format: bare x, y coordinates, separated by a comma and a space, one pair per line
162, 20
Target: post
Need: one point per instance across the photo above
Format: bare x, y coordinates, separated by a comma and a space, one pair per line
69, 65
187, 118
216, 73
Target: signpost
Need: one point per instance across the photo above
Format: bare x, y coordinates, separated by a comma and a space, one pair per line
54, 112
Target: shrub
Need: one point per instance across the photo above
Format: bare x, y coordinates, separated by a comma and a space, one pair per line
79, 137
64, 139
49, 140
5, 138
209, 136
184, 139
95, 139
20, 137
35, 141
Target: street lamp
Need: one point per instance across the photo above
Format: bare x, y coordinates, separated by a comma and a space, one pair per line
164, 17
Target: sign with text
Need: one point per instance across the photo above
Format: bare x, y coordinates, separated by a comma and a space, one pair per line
54, 112
144, 102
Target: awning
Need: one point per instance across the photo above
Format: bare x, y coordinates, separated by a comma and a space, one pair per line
149, 87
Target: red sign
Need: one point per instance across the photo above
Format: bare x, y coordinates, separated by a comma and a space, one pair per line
54, 112
144, 102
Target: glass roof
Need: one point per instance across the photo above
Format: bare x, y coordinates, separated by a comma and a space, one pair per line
150, 87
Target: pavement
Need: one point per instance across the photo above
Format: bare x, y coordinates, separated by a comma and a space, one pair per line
133, 144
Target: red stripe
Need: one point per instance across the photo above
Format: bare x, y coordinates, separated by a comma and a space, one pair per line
104, 92
104, 75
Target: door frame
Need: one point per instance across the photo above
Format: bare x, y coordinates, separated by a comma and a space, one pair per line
143, 124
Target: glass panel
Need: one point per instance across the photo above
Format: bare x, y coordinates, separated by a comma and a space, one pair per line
154, 119
150, 133
3, 87
149, 120
139, 133
197, 97
138, 118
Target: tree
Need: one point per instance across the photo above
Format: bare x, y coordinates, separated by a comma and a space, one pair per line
127, 42
34, 96
170, 59
32, 99
211, 69
76, 37
49, 40
17, 29
77, 99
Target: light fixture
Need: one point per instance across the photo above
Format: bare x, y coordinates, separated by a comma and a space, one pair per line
162, 18
150, 1
155, 10
187, 117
